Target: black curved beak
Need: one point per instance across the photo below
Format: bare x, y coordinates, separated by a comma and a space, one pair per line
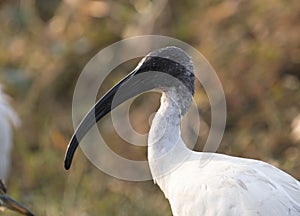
154, 71
129, 87
13, 205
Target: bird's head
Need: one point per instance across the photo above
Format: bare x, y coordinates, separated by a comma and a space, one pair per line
168, 69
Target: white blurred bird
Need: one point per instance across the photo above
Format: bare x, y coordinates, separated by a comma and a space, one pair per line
8, 119
195, 183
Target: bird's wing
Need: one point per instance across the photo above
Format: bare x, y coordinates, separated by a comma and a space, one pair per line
284, 183
231, 186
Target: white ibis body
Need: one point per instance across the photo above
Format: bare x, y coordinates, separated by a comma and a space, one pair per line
8, 118
6, 202
195, 183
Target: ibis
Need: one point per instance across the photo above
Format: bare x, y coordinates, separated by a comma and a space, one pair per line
8, 203
195, 183
8, 119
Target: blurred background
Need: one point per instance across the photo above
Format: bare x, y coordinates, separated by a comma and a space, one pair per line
254, 47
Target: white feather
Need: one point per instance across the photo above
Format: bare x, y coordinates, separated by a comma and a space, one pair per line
214, 184
8, 119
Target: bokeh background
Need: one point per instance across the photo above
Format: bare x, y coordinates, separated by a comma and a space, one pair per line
254, 47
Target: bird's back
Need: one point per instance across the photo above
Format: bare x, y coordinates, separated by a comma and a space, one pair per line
215, 184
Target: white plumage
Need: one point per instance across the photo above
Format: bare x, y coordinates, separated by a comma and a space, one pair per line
196, 183
8, 119
213, 184
230, 186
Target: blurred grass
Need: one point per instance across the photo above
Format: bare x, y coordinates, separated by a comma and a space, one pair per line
44, 45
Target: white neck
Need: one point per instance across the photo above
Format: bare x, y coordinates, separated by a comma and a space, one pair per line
166, 149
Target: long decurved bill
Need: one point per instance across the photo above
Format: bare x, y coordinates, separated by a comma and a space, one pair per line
129, 87
13, 205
